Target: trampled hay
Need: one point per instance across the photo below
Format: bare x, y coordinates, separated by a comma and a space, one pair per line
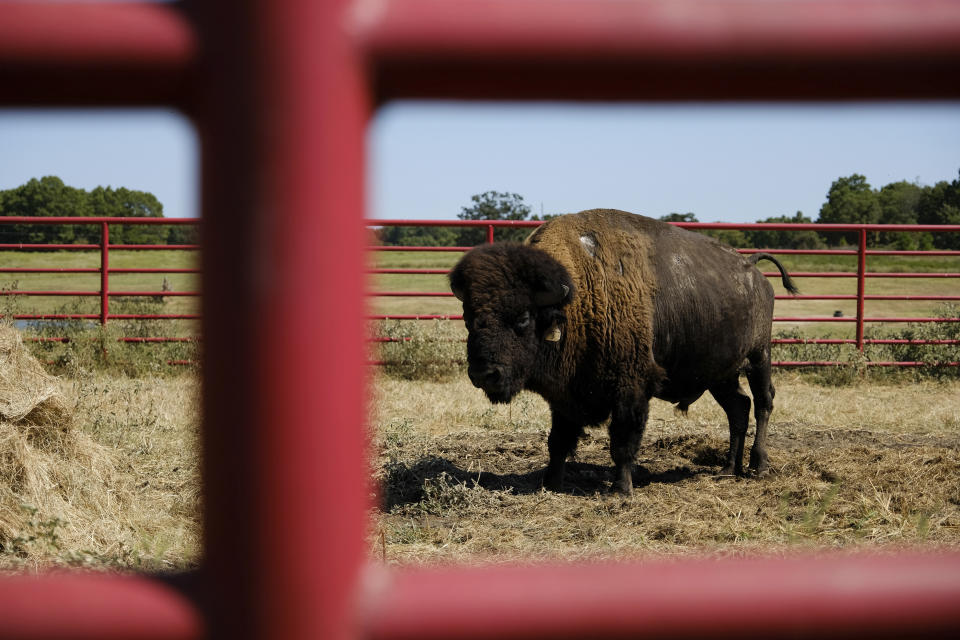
861, 467
84, 469
50, 471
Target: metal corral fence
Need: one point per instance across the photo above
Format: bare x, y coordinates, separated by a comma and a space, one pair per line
281, 93
860, 296
104, 271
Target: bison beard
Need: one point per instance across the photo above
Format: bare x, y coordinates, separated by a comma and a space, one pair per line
600, 311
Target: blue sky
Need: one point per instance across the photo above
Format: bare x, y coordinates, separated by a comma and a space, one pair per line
153, 151
730, 162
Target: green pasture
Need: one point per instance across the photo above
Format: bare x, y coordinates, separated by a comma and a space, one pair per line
92, 347
17, 304
10, 305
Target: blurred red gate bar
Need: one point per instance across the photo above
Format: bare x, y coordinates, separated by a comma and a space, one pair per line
661, 49
800, 596
281, 92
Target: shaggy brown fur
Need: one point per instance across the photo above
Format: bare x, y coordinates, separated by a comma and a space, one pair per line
602, 310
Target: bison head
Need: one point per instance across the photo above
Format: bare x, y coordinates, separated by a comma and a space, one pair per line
513, 297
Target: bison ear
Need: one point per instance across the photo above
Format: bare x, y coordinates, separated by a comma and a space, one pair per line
552, 295
457, 284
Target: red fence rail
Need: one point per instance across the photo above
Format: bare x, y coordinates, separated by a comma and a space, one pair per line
104, 293
281, 91
861, 319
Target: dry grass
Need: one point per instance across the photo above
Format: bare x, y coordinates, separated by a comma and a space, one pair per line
110, 480
102, 473
862, 466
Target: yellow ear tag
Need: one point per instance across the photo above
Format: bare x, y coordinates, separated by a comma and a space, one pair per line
553, 334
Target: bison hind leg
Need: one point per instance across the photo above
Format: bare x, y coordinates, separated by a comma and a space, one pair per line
758, 375
736, 404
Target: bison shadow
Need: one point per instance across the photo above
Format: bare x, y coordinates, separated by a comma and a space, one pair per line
405, 483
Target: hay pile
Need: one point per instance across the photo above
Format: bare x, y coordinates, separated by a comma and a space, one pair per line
55, 481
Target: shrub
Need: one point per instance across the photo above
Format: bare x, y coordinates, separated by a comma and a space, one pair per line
421, 350
929, 353
855, 365
83, 346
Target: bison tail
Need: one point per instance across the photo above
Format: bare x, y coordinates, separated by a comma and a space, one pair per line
784, 276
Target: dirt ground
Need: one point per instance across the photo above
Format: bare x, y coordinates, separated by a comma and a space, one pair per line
861, 466
864, 466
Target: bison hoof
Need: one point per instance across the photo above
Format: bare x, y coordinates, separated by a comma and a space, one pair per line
728, 472
622, 489
623, 485
623, 480
553, 482
759, 464
555, 487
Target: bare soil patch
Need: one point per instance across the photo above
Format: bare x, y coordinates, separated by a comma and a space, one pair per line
855, 467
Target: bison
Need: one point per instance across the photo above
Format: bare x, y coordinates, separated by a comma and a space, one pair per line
602, 310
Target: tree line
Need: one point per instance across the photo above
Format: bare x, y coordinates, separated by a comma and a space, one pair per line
850, 199
50, 197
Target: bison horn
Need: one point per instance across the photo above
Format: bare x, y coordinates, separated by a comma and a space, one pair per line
553, 333
551, 297
458, 293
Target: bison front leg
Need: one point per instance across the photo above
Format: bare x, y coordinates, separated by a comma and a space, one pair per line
736, 404
626, 431
561, 443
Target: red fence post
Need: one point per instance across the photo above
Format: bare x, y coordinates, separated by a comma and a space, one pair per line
104, 272
283, 121
861, 285
490, 234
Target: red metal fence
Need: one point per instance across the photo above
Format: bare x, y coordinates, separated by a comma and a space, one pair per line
860, 296
861, 275
281, 92
104, 270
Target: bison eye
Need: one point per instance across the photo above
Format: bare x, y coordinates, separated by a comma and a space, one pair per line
523, 321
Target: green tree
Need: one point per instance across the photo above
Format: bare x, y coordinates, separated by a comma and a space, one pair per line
182, 234
49, 196
899, 203
940, 204
849, 200
732, 237
129, 203
932, 200
44, 197
679, 217
546, 216
417, 236
493, 205
771, 239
